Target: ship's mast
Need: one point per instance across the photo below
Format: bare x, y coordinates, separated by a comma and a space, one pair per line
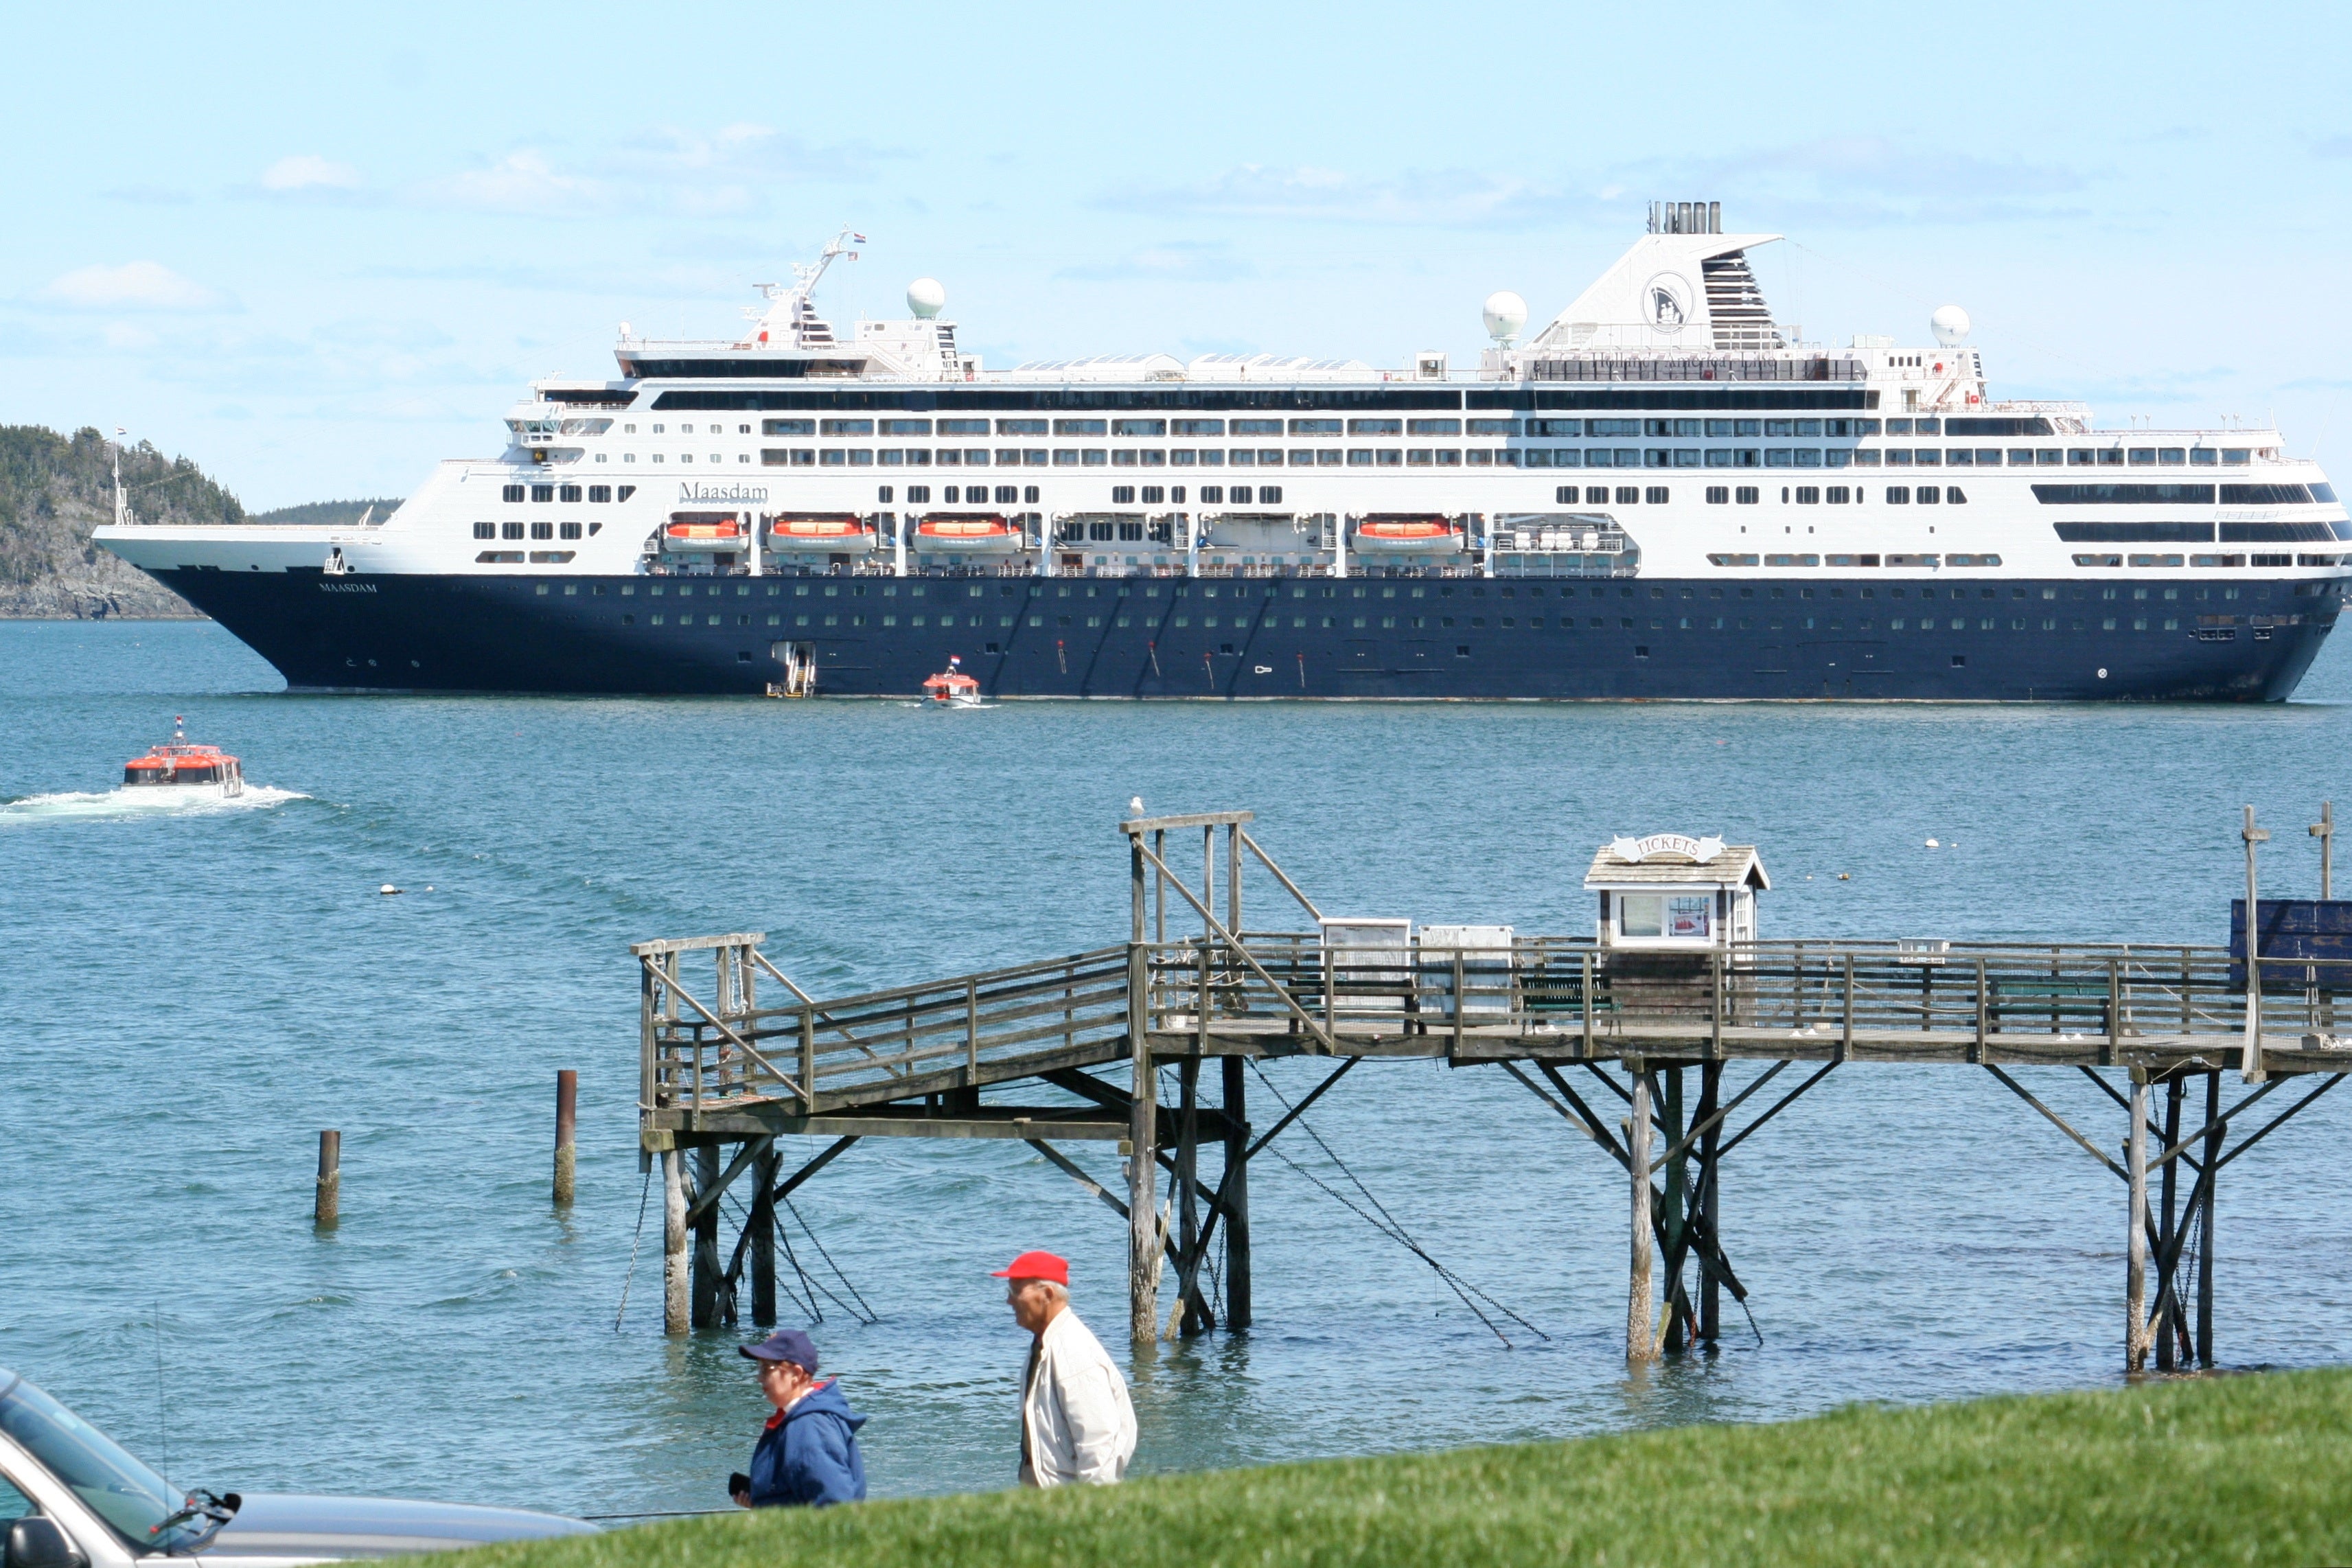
123, 518
792, 308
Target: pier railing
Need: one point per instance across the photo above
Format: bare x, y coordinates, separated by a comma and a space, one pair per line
1885, 994
1285, 993
869, 1047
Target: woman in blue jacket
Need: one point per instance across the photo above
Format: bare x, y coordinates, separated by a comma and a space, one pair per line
808, 1456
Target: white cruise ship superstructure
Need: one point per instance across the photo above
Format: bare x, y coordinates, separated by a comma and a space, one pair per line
1663, 493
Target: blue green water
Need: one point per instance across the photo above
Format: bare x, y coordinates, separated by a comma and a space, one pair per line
189, 995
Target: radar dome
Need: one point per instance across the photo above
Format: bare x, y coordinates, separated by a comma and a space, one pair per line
1505, 313
926, 297
1951, 325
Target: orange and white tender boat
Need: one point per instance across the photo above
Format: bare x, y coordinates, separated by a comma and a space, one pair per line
952, 689
968, 535
1395, 533
183, 765
840, 533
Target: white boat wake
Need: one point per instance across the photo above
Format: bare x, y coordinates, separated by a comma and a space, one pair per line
143, 801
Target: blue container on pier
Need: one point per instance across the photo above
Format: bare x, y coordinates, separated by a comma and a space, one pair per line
2305, 943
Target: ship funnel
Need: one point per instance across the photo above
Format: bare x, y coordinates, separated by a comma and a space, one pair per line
1685, 218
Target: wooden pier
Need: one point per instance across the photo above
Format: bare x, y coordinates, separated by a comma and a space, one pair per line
735, 1059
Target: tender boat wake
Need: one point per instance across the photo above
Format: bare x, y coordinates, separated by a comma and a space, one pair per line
141, 801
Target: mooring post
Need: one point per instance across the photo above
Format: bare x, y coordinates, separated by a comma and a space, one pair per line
567, 1109
677, 1288
705, 1239
1641, 1338
2136, 1277
326, 1202
762, 1222
1235, 1181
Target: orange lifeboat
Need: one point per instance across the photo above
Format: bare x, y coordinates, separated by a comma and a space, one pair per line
952, 689
725, 535
1431, 534
967, 534
838, 533
181, 763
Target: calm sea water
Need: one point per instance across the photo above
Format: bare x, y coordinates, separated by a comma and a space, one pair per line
189, 995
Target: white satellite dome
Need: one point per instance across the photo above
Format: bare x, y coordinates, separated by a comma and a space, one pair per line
1950, 324
926, 298
1504, 313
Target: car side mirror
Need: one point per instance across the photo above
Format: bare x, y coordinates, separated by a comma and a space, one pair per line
34, 1541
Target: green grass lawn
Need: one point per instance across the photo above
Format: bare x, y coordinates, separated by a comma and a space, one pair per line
2235, 1470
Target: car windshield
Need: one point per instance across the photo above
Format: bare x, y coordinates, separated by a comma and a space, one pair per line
125, 1493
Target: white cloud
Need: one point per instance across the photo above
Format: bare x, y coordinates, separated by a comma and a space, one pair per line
134, 286
1446, 196
521, 181
308, 172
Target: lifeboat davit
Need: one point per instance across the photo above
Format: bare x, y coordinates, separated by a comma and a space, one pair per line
968, 535
185, 765
1425, 534
839, 532
727, 534
953, 688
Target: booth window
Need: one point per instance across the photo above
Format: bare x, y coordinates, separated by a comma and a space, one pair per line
1642, 914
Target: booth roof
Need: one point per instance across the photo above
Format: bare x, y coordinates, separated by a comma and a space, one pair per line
1735, 866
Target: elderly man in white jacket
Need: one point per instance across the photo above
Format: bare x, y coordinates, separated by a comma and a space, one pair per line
1077, 1422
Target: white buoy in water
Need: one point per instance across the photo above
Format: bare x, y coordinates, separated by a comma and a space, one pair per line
1933, 845
387, 890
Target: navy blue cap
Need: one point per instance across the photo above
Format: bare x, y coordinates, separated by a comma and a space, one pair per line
784, 1345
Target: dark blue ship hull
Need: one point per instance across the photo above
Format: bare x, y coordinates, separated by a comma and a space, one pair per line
1492, 639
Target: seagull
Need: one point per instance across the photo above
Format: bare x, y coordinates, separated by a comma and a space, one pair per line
1134, 806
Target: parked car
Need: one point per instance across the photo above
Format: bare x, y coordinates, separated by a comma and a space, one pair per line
70, 1497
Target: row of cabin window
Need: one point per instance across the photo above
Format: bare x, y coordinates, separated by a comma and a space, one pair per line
965, 495
1120, 495
1163, 427
570, 495
1446, 457
535, 530
1815, 495
1566, 623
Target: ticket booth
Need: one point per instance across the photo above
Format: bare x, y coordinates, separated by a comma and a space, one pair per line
1668, 904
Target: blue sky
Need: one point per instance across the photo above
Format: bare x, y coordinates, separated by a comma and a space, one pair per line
318, 249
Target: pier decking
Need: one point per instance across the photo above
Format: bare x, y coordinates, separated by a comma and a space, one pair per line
972, 1055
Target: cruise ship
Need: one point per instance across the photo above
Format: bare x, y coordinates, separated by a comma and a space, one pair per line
1665, 493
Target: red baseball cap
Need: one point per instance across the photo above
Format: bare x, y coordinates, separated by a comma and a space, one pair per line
1036, 1266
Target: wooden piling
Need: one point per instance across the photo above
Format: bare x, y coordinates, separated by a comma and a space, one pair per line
1677, 1300
763, 1221
567, 1108
2165, 1330
325, 1203
1188, 1177
1641, 1337
1142, 1134
1710, 1297
1235, 1181
676, 1287
706, 1240
2136, 1337
2205, 1235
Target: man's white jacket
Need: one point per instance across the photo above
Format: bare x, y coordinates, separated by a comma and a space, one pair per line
1080, 1423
